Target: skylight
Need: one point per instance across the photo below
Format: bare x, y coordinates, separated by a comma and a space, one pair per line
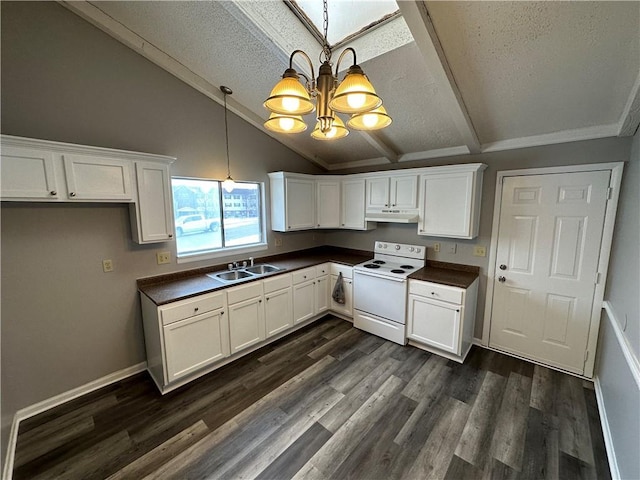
348, 19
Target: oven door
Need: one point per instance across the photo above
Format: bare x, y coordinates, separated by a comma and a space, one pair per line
380, 295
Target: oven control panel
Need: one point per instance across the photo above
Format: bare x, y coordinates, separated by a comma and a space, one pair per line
401, 249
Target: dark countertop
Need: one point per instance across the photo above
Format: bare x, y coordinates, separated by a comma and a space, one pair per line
169, 288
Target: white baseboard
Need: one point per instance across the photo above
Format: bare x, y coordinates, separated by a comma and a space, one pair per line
52, 402
606, 431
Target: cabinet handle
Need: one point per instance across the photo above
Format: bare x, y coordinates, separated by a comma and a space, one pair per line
318, 224
267, 298
171, 235
222, 312
72, 194
393, 204
196, 309
386, 204
53, 192
343, 224
260, 301
457, 310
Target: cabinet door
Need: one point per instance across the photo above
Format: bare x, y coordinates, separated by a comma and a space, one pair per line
300, 203
353, 206
195, 342
328, 204
445, 205
153, 219
27, 174
303, 301
323, 293
404, 191
97, 178
377, 192
278, 311
347, 307
246, 324
434, 323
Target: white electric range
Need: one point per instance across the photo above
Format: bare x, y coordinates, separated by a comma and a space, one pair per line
380, 289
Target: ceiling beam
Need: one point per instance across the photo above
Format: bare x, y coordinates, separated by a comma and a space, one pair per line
630, 118
375, 141
417, 17
120, 32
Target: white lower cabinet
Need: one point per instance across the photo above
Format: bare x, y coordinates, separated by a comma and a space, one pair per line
246, 316
345, 309
184, 337
441, 318
304, 295
278, 304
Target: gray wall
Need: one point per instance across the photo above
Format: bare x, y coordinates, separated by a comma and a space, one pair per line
620, 392
593, 151
64, 321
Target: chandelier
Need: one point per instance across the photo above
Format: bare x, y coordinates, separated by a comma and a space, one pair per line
355, 95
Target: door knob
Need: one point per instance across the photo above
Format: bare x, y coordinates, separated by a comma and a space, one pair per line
503, 267
502, 279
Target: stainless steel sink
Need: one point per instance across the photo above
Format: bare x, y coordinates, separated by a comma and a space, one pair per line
231, 275
261, 269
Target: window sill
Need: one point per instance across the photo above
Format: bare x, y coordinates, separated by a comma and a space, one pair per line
196, 257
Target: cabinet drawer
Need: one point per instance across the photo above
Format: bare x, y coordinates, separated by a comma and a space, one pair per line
244, 292
190, 307
323, 269
347, 271
304, 275
277, 283
436, 291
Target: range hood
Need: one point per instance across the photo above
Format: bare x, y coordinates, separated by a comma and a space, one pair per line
392, 216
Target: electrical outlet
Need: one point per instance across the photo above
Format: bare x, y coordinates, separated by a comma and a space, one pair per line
163, 257
107, 266
479, 251
451, 248
436, 247
278, 241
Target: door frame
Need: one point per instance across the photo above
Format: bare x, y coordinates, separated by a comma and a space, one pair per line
616, 169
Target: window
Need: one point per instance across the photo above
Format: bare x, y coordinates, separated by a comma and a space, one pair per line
211, 222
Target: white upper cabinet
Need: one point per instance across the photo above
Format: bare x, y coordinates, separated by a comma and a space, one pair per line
152, 218
98, 178
352, 206
293, 202
27, 174
450, 201
41, 170
328, 202
394, 192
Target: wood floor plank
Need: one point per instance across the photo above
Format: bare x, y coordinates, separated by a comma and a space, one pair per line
461, 470
572, 467
426, 376
435, 456
352, 374
476, 438
297, 454
337, 344
541, 451
78, 466
543, 389
412, 361
509, 436
575, 436
162, 453
357, 396
340, 445
600, 459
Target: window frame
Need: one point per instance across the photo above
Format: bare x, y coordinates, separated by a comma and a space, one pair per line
232, 250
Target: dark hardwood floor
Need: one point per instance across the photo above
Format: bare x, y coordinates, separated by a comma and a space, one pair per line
329, 401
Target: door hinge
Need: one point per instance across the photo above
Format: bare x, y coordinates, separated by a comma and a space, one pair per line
586, 355
609, 193
598, 276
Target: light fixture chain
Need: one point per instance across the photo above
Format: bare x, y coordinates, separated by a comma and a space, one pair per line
326, 51
226, 134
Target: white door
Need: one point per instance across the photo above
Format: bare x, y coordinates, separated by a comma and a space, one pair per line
322, 294
303, 301
377, 192
301, 203
404, 191
328, 204
546, 264
434, 323
352, 215
246, 324
278, 311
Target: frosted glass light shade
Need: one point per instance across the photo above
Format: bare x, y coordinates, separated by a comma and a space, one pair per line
355, 94
337, 130
285, 123
373, 120
289, 97
228, 184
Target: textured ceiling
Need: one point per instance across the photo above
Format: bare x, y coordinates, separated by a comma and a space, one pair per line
456, 77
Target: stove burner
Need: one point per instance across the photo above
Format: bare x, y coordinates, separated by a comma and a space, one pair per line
371, 265
397, 270
379, 262
408, 267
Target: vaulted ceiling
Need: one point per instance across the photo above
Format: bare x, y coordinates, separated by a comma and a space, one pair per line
456, 77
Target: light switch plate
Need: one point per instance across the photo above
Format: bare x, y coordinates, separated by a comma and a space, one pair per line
278, 242
107, 265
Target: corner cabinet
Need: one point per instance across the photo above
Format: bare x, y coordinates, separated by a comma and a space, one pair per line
450, 201
293, 202
40, 170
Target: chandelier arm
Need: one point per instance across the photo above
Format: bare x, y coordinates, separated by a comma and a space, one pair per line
313, 74
348, 49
